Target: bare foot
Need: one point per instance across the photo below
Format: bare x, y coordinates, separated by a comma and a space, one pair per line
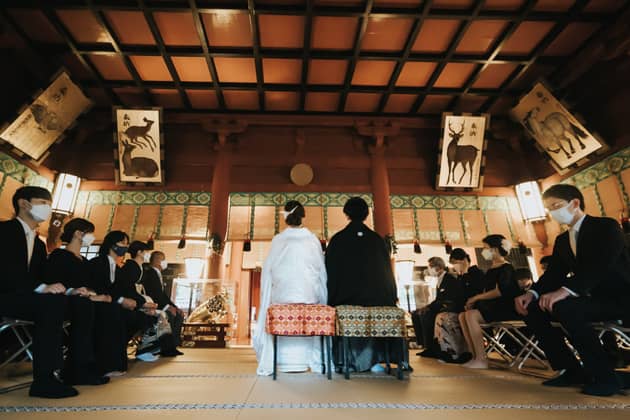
476, 364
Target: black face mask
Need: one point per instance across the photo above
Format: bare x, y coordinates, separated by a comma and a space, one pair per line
120, 250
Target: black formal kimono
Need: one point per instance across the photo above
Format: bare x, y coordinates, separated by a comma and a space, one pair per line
154, 288
18, 299
599, 276
100, 281
109, 336
129, 275
359, 268
360, 273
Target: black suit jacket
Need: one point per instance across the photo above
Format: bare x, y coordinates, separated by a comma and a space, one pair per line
98, 279
125, 283
601, 266
16, 274
450, 295
154, 289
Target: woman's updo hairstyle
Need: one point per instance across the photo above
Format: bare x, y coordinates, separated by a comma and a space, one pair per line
294, 213
498, 241
74, 225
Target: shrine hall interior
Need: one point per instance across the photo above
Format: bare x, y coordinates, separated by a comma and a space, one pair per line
263, 101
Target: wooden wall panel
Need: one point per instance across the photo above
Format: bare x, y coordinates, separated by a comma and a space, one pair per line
264, 222
6, 205
452, 226
123, 218
429, 226
314, 220
337, 220
611, 197
475, 227
172, 218
99, 215
403, 225
523, 231
590, 201
238, 227
498, 223
197, 221
147, 222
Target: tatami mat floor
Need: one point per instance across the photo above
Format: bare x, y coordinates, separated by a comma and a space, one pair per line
222, 384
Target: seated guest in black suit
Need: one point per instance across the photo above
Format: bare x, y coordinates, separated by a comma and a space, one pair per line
154, 288
104, 272
588, 280
449, 296
159, 339
495, 304
544, 262
25, 295
72, 269
448, 330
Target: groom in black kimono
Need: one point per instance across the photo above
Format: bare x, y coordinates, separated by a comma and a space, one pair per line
360, 273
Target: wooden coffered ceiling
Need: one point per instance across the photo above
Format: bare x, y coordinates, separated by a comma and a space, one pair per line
370, 57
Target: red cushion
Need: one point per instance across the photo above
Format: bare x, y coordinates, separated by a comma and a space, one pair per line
300, 319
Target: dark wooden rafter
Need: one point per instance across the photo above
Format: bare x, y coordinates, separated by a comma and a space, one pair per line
70, 42
537, 52
459, 35
495, 49
309, 10
400, 63
306, 51
253, 23
102, 20
201, 32
352, 64
148, 15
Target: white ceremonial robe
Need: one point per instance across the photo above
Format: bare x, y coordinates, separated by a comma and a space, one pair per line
293, 272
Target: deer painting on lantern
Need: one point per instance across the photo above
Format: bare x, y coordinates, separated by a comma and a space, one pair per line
139, 145
556, 131
460, 162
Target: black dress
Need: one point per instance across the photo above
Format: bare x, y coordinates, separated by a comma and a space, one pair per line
110, 344
501, 308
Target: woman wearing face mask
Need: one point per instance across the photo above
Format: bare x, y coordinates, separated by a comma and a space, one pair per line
70, 268
103, 271
494, 304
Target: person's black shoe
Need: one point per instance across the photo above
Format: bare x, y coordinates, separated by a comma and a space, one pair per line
178, 353
429, 353
88, 380
463, 358
567, 378
51, 389
599, 389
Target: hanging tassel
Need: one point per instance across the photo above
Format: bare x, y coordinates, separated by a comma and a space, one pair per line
247, 245
322, 242
448, 247
151, 242
182, 243
416, 247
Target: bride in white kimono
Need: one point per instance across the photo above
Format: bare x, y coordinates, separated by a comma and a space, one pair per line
293, 272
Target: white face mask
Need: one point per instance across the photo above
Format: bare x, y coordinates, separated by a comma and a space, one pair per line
562, 215
164, 264
147, 257
487, 254
88, 239
40, 212
433, 272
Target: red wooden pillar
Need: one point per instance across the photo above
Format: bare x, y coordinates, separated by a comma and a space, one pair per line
220, 202
380, 189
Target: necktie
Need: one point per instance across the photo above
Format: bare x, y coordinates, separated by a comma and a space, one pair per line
573, 241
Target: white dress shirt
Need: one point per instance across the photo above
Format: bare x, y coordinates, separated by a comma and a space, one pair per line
159, 273
112, 274
30, 245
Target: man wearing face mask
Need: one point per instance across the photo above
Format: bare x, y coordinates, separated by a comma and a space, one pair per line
154, 287
588, 280
450, 292
24, 294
